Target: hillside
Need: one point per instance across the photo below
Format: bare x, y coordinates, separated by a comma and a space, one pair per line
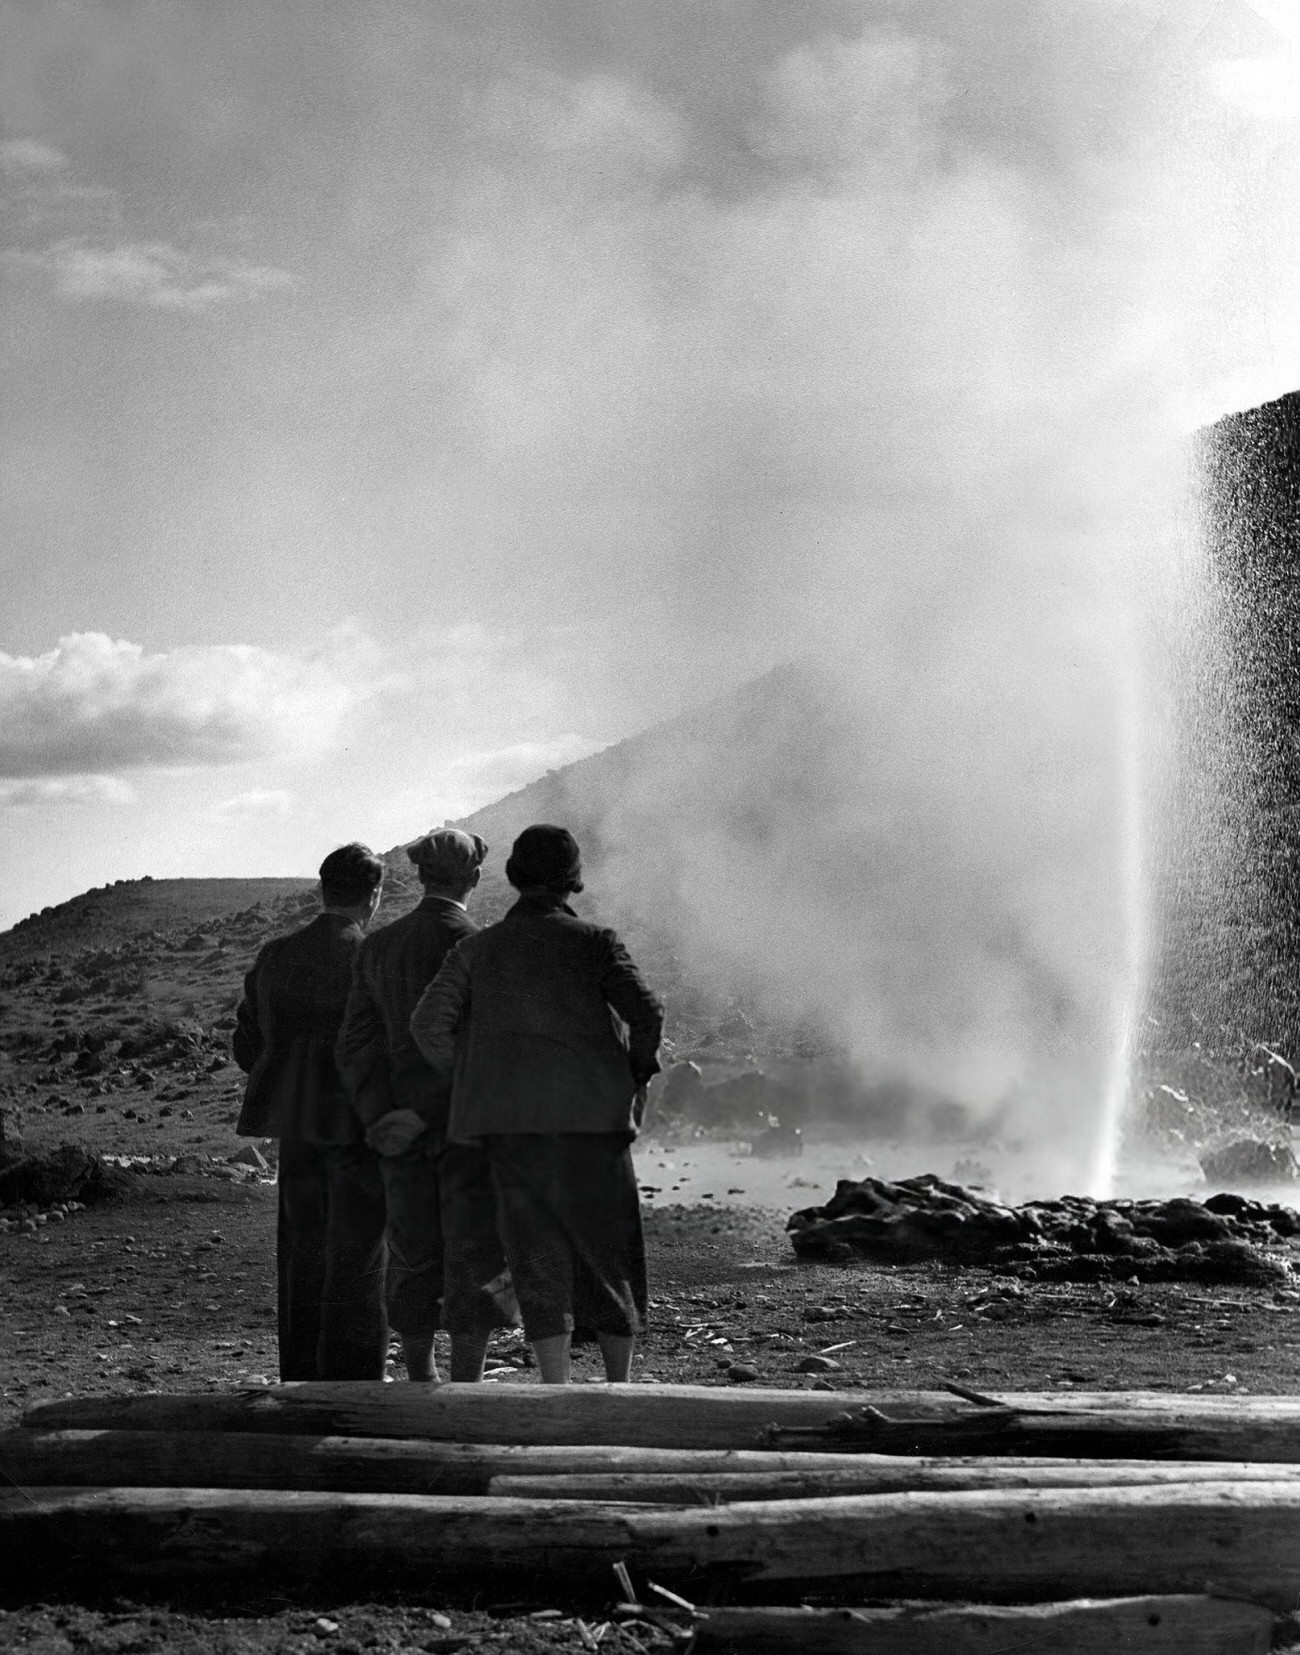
1231, 894
732, 767
699, 764
110, 915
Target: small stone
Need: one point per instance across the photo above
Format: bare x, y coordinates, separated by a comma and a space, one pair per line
324, 1627
820, 1364
742, 1373
438, 1619
249, 1156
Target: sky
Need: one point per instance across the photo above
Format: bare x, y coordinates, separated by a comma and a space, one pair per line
402, 400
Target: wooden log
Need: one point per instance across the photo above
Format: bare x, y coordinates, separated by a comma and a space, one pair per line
1176, 1625
1035, 1545
647, 1416
884, 1474
400, 1465
1129, 1425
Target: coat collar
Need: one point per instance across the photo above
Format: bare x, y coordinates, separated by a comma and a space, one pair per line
337, 922
536, 903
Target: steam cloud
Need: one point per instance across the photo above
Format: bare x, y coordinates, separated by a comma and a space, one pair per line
902, 400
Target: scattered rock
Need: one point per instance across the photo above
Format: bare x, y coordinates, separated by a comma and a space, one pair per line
1074, 1238
249, 1155
66, 1173
1250, 1161
777, 1142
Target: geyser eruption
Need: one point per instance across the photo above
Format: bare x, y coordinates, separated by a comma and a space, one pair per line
949, 879
899, 385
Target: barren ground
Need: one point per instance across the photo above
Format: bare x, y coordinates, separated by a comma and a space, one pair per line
171, 1288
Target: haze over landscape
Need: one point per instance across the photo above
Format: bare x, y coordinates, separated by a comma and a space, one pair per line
404, 404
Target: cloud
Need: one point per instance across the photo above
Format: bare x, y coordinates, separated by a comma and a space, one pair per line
485, 777
28, 794
1280, 15
258, 804
150, 273
1267, 88
100, 704
22, 157
600, 120
85, 238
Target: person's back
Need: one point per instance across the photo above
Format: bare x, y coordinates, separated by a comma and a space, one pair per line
288, 1021
548, 1034
542, 1052
393, 968
404, 1107
330, 1224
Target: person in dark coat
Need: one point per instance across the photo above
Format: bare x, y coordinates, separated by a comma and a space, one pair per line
404, 1107
549, 1035
330, 1229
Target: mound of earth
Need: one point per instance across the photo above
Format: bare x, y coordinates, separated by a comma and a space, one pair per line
66, 1173
1225, 1239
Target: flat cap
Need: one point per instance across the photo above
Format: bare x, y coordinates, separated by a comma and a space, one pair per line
447, 853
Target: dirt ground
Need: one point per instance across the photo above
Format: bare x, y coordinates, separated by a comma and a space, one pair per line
115, 1038
172, 1289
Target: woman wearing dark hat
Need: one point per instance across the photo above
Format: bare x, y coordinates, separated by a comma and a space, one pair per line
549, 1034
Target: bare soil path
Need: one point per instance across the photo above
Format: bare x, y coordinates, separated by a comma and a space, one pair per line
173, 1290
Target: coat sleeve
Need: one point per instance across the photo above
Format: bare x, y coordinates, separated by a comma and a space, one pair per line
438, 1015
248, 1041
630, 996
360, 1050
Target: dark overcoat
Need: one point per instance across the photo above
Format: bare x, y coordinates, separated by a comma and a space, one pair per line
377, 1057
544, 1023
286, 1027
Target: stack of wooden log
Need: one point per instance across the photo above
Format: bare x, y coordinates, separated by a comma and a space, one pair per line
1135, 1521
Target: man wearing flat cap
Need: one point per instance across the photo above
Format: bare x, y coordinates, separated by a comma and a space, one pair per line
404, 1108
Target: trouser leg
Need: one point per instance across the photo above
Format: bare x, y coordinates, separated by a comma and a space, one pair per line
353, 1329
477, 1291
415, 1242
468, 1354
536, 1244
417, 1354
301, 1224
